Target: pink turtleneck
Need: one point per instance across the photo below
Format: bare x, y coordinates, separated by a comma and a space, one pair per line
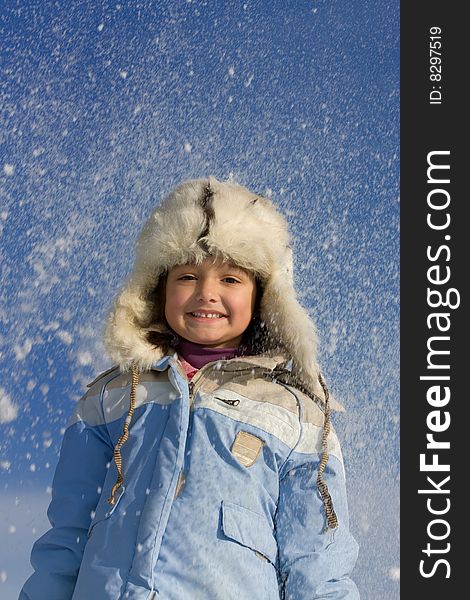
194, 356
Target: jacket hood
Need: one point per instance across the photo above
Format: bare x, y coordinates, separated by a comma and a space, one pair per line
208, 217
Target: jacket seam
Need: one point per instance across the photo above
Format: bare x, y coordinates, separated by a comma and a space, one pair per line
103, 389
299, 405
154, 559
201, 408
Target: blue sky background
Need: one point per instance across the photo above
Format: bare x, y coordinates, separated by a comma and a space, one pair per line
104, 107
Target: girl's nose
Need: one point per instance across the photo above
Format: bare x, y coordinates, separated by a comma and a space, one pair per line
206, 290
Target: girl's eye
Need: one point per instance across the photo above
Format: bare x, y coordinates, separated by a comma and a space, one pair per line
189, 277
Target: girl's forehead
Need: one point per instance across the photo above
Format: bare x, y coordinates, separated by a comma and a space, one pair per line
211, 263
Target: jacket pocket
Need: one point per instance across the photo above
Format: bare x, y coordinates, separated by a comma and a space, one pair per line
249, 529
104, 510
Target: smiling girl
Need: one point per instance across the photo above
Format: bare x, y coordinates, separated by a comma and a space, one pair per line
203, 465
211, 303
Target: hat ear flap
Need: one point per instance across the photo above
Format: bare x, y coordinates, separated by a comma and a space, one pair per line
129, 323
291, 327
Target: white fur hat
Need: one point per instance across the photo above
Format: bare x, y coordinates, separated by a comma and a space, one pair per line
207, 217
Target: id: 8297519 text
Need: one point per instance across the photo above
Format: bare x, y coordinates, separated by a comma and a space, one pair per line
435, 65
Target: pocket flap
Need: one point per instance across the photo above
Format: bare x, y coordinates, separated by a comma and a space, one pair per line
104, 509
249, 529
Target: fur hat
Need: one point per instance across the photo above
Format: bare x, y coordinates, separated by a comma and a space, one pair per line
208, 217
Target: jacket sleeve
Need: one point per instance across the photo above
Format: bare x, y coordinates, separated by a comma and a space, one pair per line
85, 455
314, 563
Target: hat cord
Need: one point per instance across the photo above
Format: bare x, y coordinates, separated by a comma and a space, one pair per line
331, 517
124, 437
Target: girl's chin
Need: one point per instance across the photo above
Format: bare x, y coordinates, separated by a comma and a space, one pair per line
213, 342
209, 342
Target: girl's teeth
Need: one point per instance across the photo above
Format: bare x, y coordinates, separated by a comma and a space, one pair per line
209, 316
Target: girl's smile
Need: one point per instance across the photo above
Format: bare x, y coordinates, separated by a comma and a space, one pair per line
210, 303
206, 315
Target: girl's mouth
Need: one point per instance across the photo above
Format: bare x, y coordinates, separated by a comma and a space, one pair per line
206, 316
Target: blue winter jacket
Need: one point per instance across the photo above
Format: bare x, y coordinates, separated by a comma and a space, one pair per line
219, 500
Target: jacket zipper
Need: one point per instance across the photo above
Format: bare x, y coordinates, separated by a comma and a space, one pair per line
235, 402
191, 391
193, 387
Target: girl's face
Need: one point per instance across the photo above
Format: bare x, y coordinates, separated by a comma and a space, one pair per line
211, 303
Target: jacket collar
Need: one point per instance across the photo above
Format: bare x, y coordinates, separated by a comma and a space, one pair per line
273, 362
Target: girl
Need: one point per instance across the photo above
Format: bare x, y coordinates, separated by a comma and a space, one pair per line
202, 466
